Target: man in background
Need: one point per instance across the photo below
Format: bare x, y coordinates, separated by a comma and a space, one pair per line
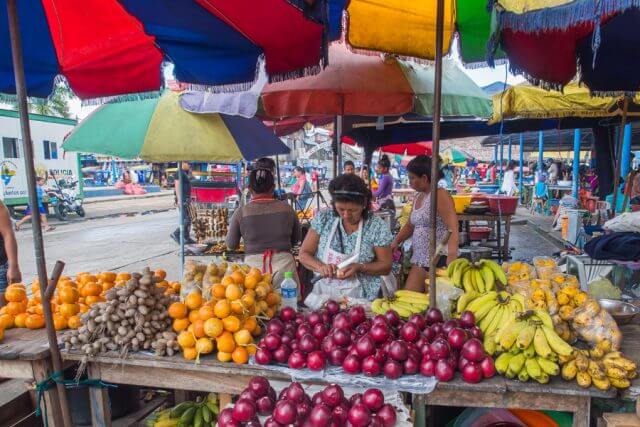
9, 268
349, 167
183, 195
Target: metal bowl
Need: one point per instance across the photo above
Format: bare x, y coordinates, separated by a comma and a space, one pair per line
621, 311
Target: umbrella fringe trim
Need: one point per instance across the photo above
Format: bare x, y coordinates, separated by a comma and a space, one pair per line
121, 98
296, 74
514, 69
560, 17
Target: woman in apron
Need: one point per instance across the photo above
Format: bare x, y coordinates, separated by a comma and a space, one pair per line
348, 246
269, 228
419, 224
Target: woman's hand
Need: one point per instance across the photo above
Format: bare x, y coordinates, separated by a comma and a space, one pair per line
349, 271
327, 270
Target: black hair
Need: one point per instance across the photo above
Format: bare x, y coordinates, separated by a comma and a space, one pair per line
261, 181
511, 165
384, 161
265, 163
348, 163
349, 188
299, 169
421, 166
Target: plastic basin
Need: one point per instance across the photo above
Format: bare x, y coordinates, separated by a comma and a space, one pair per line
502, 204
461, 201
488, 189
479, 233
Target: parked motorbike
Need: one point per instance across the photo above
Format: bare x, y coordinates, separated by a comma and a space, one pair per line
64, 200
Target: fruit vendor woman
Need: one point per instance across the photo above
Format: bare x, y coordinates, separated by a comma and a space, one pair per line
269, 228
348, 246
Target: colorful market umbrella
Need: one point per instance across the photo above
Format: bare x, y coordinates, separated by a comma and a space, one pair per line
356, 84
455, 157
408, 27
411, 149
531, 102
159, 130
105, 48
551, 42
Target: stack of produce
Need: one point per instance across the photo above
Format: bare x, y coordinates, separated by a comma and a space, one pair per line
293, 406
480, 276
383, 346
404, 302
133, 317
530, 346
210, 224
229, 320
599, 368
201, 413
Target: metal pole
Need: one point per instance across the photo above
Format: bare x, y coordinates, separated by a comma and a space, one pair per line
626, 151
521, 174
277, 157
616, 177
576, 162
181, 217
540, 152
437, 98
500, 168
38, 244
339, 143
495, 155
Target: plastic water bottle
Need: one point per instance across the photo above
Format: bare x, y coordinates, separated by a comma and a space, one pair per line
289, 291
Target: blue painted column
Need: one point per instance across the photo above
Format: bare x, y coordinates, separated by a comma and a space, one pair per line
501, 159
626, 152
495, 154
576, 162
521, 174
540, 151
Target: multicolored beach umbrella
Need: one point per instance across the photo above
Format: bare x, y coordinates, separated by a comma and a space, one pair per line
105, 48
159, 130
553, 42
408, 27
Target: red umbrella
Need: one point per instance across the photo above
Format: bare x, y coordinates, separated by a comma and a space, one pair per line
411, 149
351, 85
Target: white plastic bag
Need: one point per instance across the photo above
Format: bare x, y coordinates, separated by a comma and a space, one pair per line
326, 289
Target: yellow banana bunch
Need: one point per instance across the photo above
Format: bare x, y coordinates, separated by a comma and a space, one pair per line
481, 276
405, 303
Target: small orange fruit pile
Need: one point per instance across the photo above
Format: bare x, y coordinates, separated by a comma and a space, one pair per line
227, 322
170, 288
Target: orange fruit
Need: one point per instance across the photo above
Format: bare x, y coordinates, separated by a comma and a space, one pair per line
7, 321
273, 299
213, 327
262, 291
206, 312
189, 353
186, 339
222, 309
225, 342
193, 300
36, 299
122, 277
251, 349
250, 323
34, 321
20, 320
194, 315
59, 322
15, 294
83, 308
240, 356
257, 331
233, 292
227, 280
160, 273
237, 307
198, 328
37, 309
223, 356
242, 337
74, 322
238, 277
92, 299
178, 310
248, 300
270, 312
218, 290
176, 286
250, 282
3, 310
14, 307
91, 289
180, 325
266, 277
68, 310
107, 276
255, 272
261, 306
106, 286
231, 323
204, 345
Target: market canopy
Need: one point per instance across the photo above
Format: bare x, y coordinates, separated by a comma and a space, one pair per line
552, 42
159, 130
107, 48
530, 102
408, 27
356, 84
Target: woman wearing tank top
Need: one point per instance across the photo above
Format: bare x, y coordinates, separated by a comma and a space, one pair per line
419, 225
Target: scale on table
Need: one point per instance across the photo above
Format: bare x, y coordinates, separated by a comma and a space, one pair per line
587, 269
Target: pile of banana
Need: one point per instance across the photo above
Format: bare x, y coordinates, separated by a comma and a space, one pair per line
601, 369
478, 276
491, 310
530, 346
203, 412
405, 303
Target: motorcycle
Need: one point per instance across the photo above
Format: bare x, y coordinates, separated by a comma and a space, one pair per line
64, 199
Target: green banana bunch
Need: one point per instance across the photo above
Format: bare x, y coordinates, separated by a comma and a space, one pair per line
201, 413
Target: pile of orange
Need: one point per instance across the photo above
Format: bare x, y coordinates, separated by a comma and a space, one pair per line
170, 288
227, 322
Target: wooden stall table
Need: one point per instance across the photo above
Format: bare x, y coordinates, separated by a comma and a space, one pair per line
631, 349
502, 239
24, 354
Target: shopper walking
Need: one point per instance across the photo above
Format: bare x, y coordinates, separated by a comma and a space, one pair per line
183, 195
9, 267
41, 210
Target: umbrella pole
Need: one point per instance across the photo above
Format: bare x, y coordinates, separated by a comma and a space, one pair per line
435, 148
616, 178
275, 132
38, 243
181, 218
339, 143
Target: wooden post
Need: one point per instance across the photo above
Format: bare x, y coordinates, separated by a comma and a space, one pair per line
616, 175
38, 243
99, 399
435, 149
